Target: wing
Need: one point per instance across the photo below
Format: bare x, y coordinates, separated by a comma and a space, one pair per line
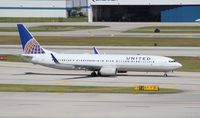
87, 67
76, 66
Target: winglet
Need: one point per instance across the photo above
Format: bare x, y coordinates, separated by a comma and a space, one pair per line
54, 59
95, 50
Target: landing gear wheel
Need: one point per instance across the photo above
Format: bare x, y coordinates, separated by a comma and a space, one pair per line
165, 75
99, 74
93, 74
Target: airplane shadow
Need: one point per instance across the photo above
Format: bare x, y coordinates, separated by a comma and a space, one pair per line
146, 75
82, 76
32, 73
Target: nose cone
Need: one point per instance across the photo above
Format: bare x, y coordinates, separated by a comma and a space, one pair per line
178, 65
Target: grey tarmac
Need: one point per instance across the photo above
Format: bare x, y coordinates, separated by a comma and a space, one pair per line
115, 29
84, 105
97, 105
163, 51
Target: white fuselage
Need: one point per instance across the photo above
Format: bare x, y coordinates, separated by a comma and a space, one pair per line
103, 64
94, 62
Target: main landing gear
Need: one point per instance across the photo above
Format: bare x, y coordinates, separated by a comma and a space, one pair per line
165, 75
94, 74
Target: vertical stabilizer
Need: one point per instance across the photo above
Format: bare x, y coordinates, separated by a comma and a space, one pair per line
29, 44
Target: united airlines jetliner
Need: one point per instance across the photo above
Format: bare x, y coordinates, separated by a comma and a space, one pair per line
101, 65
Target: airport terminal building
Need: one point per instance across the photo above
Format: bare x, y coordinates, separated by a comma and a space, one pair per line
143, 10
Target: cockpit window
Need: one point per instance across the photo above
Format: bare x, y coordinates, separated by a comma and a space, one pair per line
172, 61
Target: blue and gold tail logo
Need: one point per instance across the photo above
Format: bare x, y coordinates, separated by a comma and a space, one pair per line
29, 44
33, 47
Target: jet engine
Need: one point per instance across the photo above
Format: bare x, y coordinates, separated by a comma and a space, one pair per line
108, 71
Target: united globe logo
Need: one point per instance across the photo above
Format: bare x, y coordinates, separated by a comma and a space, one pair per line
33, 47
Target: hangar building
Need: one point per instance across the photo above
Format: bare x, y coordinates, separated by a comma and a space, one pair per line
40, 8
143, 10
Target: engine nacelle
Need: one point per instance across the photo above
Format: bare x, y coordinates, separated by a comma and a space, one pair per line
108, 71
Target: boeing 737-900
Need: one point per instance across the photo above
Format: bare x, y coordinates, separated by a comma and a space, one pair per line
98, 64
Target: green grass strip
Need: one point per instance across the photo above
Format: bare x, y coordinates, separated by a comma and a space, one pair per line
105, 41
51, 28
78, 89
166, 29
12, 58
41, 19
190, 64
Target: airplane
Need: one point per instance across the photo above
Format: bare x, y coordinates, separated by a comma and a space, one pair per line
98, 64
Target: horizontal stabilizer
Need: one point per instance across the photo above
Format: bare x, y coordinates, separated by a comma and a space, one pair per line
54, 59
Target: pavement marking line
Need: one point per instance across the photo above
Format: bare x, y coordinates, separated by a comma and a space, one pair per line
187, 36
139, 106
132, 94
192, 107
62, 82
170, 85
61, 93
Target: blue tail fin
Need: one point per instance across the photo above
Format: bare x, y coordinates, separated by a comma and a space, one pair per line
29, 44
